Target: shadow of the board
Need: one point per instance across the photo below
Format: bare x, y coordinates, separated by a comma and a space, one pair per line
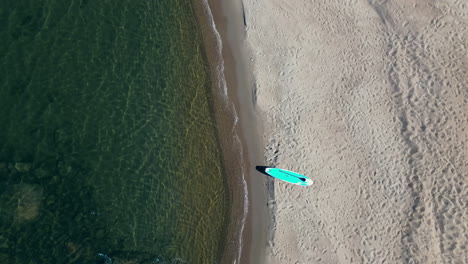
262, 169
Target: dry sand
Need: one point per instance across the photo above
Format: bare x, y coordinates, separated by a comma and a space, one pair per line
368, 98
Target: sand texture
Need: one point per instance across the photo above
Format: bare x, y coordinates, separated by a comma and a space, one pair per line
368, 98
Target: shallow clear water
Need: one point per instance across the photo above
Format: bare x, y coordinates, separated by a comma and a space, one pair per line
108, 150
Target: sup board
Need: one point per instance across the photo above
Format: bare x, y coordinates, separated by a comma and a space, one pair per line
289, 176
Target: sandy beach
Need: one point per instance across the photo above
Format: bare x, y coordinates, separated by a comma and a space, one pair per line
368, 98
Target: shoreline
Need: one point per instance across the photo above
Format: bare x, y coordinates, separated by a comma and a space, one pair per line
235, 115
229, 20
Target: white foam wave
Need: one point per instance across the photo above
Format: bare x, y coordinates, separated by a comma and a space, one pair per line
219, 49
246, 203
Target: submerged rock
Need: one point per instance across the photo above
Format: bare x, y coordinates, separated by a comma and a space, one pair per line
23, 166
135, 258
4, 258
20, 203
41, 173
28, 198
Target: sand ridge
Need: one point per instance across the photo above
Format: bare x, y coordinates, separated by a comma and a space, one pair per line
368, 98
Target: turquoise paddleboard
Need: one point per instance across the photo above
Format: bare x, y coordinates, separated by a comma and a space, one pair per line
289, 176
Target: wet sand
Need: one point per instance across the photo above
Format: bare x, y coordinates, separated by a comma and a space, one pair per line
249, 226
229, 21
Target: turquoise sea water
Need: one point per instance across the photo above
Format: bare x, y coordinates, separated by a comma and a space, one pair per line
108, 150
